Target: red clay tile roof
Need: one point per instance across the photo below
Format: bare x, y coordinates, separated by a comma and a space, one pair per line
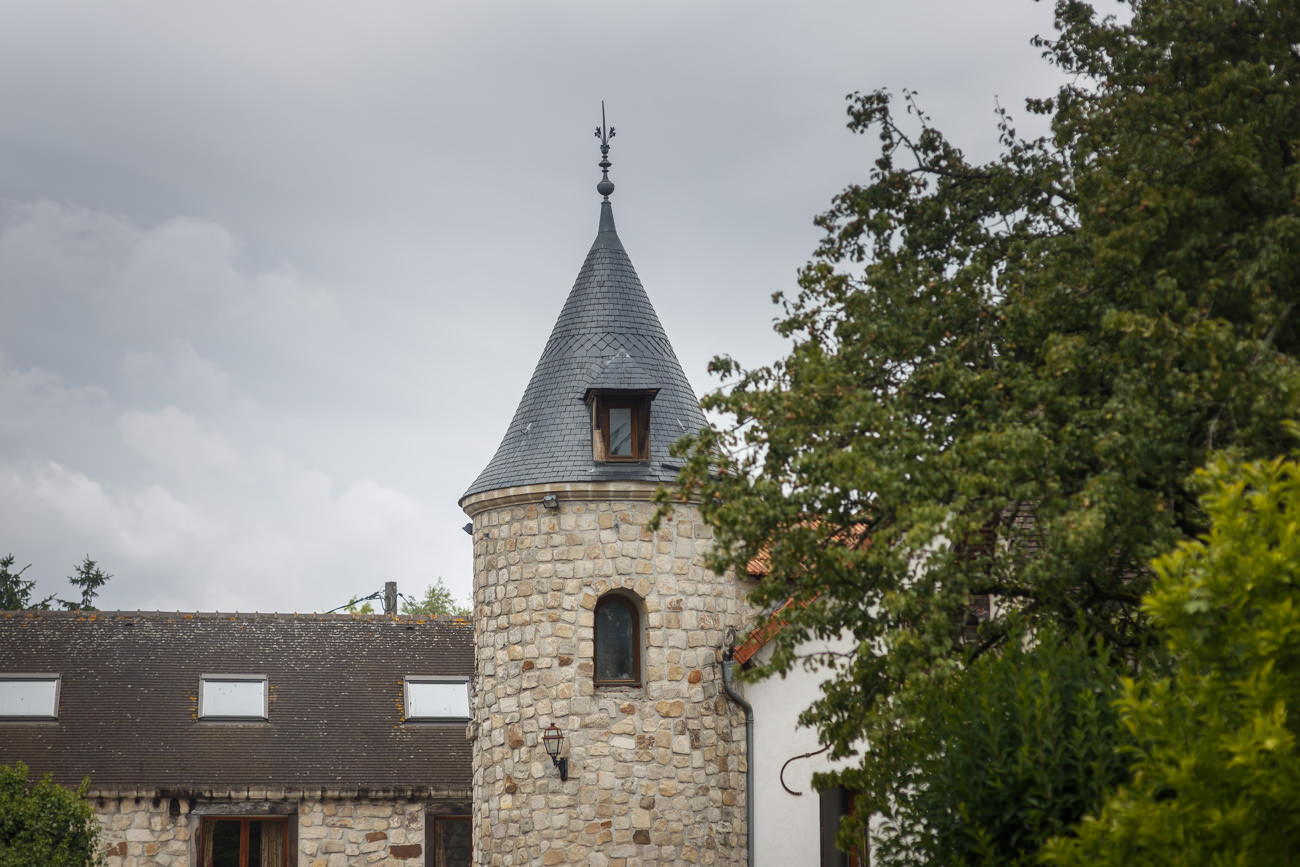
758, 567
761, 563
761, 635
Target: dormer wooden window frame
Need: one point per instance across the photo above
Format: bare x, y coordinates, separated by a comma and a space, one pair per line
637, 403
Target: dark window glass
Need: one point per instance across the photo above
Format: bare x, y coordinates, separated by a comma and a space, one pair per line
620, 431
226, 839
836, 804
449, 841
618, 657
256, 835
245, 843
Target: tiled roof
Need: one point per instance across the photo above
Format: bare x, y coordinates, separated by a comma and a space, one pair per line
758, 567
761, 635
855, 536
607, 336
128, 702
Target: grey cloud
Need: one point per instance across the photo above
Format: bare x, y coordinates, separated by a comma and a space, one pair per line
273, 277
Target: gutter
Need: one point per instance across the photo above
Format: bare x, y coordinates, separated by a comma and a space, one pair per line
728, 676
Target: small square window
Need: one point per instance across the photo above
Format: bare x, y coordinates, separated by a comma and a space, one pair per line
434, 698
620, 426
233, 697
29, 696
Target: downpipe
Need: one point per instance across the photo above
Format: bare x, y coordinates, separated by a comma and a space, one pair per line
728, 679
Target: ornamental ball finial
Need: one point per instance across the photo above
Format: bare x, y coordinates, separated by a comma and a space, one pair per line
606, 186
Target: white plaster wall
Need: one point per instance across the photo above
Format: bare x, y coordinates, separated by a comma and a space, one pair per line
786, 827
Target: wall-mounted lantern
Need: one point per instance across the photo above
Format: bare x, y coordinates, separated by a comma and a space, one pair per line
551, 501
553, 740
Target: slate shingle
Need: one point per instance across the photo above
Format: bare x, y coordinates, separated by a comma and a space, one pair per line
607, 336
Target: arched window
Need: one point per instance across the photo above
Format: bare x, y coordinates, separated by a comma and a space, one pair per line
618, 641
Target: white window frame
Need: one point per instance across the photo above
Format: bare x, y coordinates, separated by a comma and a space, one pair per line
214, 679
410, 707
55, 682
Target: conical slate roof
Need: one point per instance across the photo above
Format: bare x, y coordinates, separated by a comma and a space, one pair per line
607, 337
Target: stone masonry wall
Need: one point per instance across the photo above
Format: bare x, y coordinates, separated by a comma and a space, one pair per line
343, 833
656, 773
142, 832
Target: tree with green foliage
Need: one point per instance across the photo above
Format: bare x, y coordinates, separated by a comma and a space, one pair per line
16, 591
1002, 376
1217, 770
437, 602
42, 823
1014, 754
87, 577
353, 608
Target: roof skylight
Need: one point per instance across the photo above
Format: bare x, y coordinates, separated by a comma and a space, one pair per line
29, 696
434, 698
233, 697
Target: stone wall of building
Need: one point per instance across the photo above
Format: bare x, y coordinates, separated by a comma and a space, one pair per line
163, 832
144, 831
343, 833
656, 772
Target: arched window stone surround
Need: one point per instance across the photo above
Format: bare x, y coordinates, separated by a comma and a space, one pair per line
617, 655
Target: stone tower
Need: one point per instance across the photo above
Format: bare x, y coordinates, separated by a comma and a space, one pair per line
587, 621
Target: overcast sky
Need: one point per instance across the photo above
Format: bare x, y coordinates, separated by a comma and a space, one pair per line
273, 275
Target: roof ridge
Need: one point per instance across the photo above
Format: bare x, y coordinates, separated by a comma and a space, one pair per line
77, 614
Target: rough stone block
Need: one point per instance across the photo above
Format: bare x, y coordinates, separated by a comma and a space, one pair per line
402, 853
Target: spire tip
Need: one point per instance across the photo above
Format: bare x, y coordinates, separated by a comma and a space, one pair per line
606, 186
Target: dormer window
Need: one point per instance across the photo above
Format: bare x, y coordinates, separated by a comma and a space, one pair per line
620, 425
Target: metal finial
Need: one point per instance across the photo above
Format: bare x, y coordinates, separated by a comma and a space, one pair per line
606, 186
